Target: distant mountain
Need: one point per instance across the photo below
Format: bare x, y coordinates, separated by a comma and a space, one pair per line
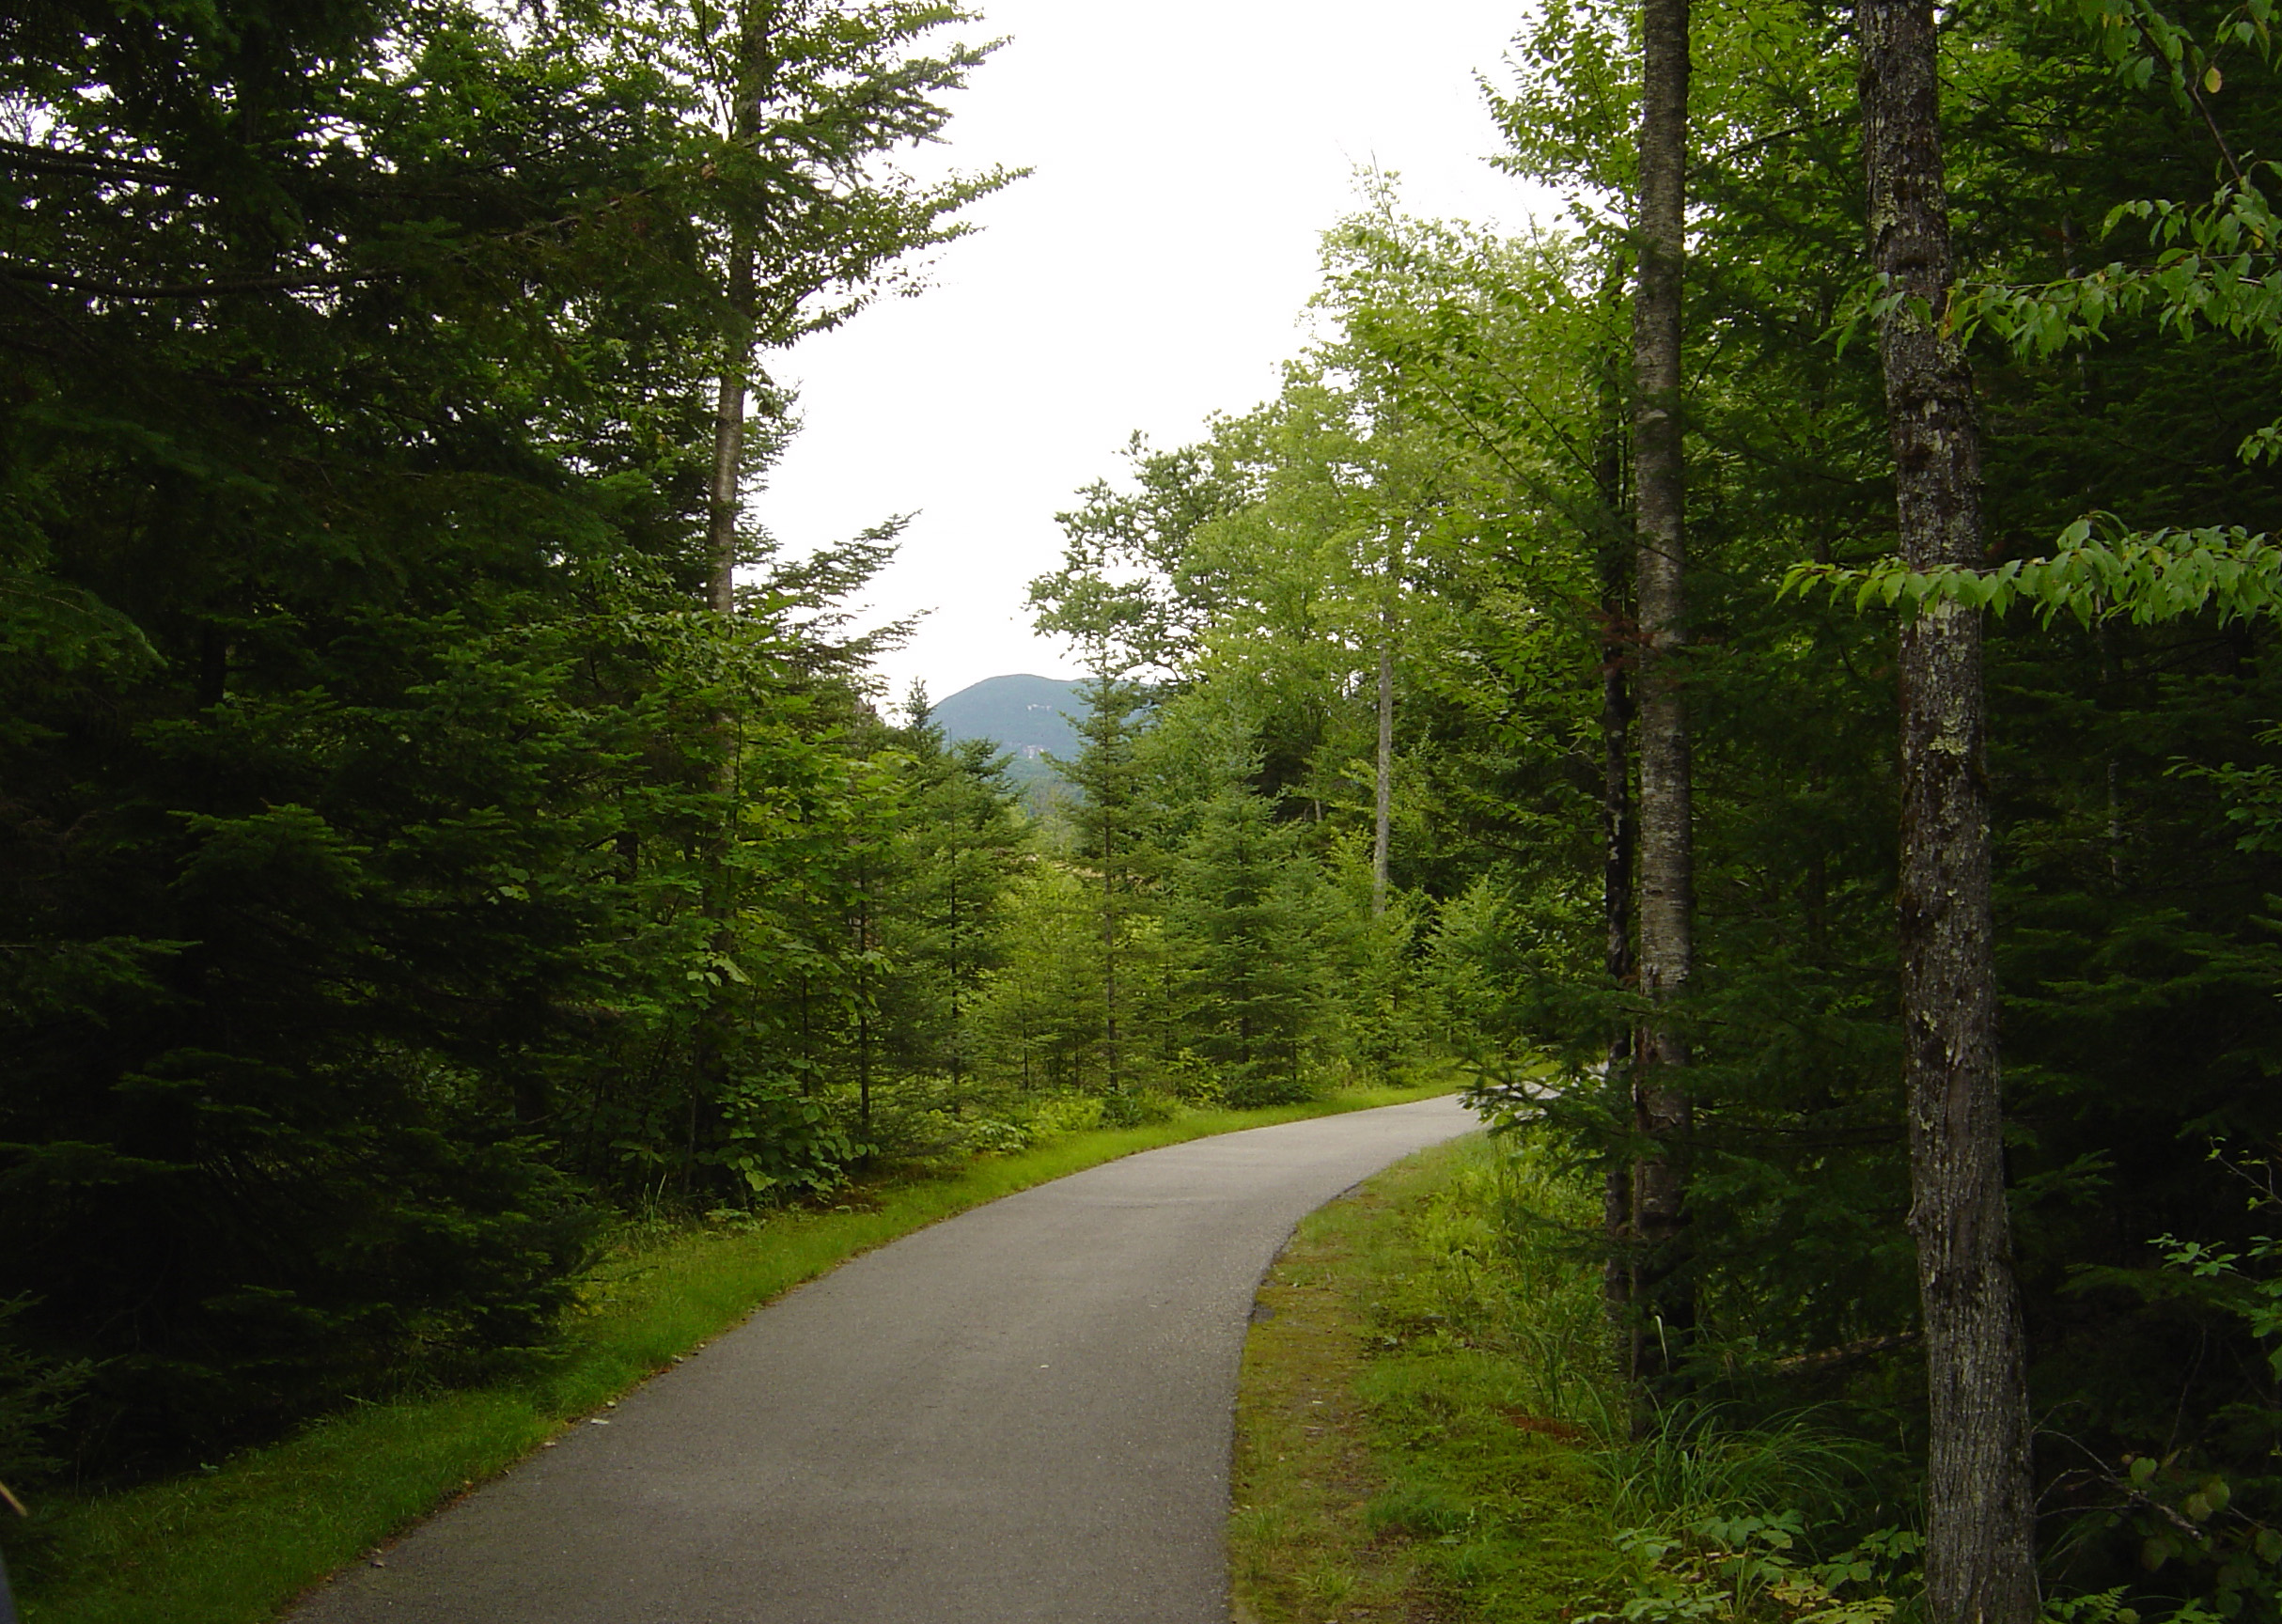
1022, 714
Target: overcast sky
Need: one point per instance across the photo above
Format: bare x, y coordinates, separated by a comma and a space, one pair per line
1187, 154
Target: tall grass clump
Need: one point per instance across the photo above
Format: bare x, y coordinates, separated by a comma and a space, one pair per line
1718, 1502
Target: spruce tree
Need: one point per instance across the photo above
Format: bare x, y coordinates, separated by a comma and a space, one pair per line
1110, 843
961, 844
1245, 919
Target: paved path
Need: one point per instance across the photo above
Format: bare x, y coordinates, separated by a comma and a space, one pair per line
1018, 1416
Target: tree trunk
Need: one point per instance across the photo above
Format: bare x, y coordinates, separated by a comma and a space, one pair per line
723, 495
1109, 1004
1109, 951
1383, 801
1979, 1497
1616, 827
754, 71
710, 1075
1667, 898
863, 998
958, 1055
724, 506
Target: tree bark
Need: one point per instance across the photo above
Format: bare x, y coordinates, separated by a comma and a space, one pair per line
724, 507
1667, 894
1618, 1280
756, 76
1383, 789
724, 498
1109, 954
1980, 1496
863, 1001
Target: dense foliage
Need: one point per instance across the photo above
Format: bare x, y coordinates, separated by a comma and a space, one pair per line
371, 762
1443, 475
406, 866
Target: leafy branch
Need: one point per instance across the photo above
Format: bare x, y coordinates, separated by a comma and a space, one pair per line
2100, 571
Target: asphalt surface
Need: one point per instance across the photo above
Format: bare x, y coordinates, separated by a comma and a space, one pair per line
1021, 1415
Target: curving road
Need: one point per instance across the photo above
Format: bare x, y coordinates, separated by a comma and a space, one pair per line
1018, 1416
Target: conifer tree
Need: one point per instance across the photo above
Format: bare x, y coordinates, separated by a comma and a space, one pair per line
1038, 1019
1244, 925
1110, 833
413, 893
960, 846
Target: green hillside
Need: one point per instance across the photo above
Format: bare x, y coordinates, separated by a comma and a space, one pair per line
1028, 716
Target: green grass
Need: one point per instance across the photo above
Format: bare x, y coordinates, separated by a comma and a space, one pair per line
237, 1544
1416, 1427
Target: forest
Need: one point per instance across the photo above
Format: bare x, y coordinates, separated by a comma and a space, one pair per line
1770, 680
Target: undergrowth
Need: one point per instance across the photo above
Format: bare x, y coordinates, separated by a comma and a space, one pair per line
1413, 1435
235, 1541
1432, 1428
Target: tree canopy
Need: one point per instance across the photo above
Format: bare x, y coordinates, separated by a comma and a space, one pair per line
414, 861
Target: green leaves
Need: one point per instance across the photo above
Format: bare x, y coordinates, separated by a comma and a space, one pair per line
1749, 1566
2140, 40
2146, 578
365, 726
2216, 266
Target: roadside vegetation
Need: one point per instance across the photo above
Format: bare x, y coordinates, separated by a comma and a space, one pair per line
439, 830
233, 1541
1433, 1427
1414, 1414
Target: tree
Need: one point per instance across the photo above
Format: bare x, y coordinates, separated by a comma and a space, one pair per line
1130, 586
361, 369
960, 844
1980, 1497
1110, 838
1243, 922
1666, 806
1039, 1021
807, 96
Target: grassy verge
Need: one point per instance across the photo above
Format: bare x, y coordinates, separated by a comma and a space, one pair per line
1429, 1428
235, 1545
1418, 1402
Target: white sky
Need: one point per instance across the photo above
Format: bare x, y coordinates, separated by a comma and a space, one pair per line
1150, 272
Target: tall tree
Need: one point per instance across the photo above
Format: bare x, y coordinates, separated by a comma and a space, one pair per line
1980, 1500
1620, 831
359, 368
809, 96
1110, 837
1244, 921
1382, 758
1667, 815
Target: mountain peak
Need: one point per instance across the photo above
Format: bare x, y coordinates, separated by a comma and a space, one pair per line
1025, 714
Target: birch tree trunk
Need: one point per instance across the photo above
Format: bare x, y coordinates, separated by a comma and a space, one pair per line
724, 495
1980, 1496
1382, 789
1666, 891
724, 507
